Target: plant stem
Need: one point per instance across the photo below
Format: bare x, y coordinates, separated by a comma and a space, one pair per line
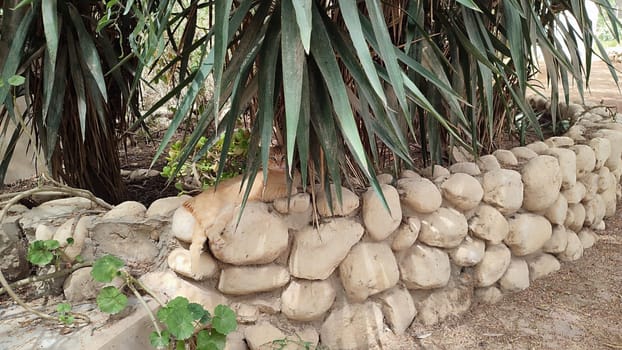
52, 275
144, 304
59, 187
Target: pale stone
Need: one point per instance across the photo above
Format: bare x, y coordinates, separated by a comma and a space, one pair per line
538, 146
575, 193
385, 178
578, 211
235, 341
488, 163
438, 305
606, 180
297, 203
602, 150
424, 267
80, 285
558, 241
259, 238
600, 227
331, 241
409, 174
350, 202
557, 212
44, 232
528, 233
79, 235
260, 336
71, 204
569, 218
574, 249
576, 132
307, 300
444, 228
179, 261
496, 260
523, 153
516, 277
567, 160
469, 252
587, 238
352, 326
406, 234
614, 161
505, 157
586, 160
64, 232
435, 172
503, 189
126, 210
466, 168
594, 210
361, 278
419, 195
131, 241
488, 295
265, 303
461, 154
248, 280
542, 265
463, 191
542, 181
398, 309
379, 222
13, 252
245, 313
559, 141
167, 285
610, 199
165, 207
489, 224
182, 225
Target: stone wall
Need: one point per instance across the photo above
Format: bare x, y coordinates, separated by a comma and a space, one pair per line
454, 237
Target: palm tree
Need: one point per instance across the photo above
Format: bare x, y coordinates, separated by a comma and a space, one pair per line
349, 87
363, 82
77, 90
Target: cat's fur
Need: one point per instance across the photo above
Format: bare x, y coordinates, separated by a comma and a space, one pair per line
213, 209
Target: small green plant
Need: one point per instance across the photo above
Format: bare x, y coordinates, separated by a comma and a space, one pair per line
184, 321
64, 313
202, 172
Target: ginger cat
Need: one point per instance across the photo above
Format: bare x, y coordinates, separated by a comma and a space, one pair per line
213, 209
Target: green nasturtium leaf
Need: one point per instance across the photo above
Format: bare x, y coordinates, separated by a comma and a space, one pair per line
16, 80
178, 318
105, 269
161, 341
39, 253
111, 300
210, 340
224, 321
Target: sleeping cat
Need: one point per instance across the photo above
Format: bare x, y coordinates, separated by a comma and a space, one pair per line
213, 209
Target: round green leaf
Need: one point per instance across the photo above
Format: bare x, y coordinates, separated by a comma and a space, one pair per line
106, 268
224, 320
38, 254
16, 80
111, 300
178, 318
160, 341
210, 340
63, 307
51, 244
